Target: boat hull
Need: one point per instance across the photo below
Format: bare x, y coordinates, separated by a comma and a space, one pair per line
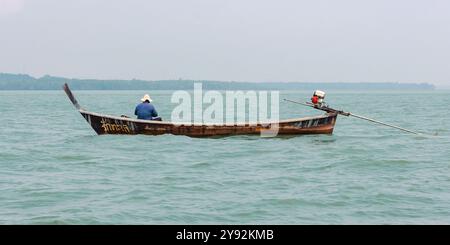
105, 124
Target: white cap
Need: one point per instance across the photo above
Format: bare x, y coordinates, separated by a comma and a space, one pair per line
146, 97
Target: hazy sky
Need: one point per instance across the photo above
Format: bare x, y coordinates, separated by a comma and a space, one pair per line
241, 40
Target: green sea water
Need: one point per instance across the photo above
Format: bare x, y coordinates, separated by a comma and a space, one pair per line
55, 170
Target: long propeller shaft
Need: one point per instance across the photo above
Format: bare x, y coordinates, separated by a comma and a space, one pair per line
382, 123
327, 109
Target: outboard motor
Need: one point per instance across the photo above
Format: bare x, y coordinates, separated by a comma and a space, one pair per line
318, 98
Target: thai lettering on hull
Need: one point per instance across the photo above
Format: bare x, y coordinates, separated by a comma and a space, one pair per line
114, 128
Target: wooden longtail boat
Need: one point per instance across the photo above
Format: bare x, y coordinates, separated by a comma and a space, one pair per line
105, 124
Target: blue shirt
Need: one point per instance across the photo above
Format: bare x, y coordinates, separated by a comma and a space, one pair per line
145, 111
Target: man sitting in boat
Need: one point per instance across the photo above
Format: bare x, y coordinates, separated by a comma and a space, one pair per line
146, 110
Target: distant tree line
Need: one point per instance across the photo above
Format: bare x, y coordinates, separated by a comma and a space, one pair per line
26, 82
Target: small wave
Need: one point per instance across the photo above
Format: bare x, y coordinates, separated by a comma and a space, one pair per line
201, 164
54, 220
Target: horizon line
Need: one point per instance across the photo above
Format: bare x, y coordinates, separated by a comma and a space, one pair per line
214, 80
